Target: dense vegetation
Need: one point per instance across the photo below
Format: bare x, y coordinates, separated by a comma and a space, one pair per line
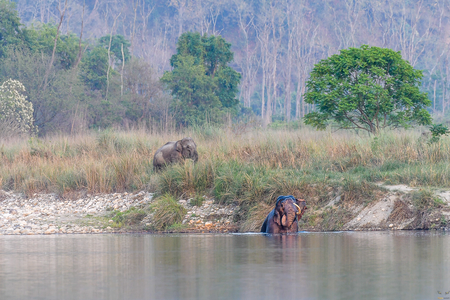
74, 84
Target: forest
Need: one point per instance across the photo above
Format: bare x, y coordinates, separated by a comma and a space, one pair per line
104, 69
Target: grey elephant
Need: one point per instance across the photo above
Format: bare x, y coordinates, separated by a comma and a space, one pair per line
284, 217
174, 152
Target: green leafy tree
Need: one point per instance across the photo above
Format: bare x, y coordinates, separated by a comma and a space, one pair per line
195, 99
94, 66
117, 42
67, 46
12, 32
202, 83
367, 88
102, 113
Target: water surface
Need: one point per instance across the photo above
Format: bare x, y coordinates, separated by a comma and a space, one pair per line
339, 265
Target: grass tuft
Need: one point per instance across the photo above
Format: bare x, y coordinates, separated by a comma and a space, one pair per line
130, 217
166, 212
197, 201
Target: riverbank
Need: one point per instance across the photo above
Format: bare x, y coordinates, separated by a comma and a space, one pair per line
106, 213
398, 207
96, 182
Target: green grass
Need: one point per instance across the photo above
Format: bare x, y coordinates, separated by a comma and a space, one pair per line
130, 217
176, 227
197, 201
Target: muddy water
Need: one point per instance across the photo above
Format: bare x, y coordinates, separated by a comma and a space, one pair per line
345, 265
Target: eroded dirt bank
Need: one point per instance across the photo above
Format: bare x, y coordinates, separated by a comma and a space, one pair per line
396, 208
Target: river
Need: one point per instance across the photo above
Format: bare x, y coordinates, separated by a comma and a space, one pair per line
335, 265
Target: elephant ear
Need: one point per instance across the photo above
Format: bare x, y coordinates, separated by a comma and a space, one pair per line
278, 211
302, 204
276, 217
178, 146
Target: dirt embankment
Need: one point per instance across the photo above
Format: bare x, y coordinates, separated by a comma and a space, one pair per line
399, 207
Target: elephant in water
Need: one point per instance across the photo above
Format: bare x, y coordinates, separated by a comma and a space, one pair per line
174, 152
284, 217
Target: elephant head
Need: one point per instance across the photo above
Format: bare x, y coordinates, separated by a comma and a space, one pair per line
288, 210
187, 148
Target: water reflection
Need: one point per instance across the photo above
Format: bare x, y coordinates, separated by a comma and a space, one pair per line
370, 265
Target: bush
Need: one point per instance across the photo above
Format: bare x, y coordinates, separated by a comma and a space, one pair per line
437, 131
425, 199
166, 212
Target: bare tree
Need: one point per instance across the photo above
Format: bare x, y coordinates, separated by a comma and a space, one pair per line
411, 37
55, 43
289, 8
276, 21
109, 51
263, 33
80, 50
304, 52
183, 8
248, 60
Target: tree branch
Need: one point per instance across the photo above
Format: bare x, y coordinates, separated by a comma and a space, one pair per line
54, 46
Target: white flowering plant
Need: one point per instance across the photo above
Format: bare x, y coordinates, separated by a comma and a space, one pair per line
16, 113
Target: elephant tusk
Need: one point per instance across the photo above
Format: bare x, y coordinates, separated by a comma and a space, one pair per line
299, 209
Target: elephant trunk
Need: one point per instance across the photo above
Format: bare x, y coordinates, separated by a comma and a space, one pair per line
288, 218
195, 156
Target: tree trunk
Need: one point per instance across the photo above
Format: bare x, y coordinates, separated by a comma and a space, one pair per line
47, 73
434, 97
180, 20
263, 100
297, 100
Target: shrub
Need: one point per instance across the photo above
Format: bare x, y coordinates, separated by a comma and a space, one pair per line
437, 131
167, 212
425, 199
16, 113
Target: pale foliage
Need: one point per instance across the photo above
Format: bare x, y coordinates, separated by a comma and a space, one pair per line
16, 113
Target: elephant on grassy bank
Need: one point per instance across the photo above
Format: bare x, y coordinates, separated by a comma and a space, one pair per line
284, 217
174, 152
